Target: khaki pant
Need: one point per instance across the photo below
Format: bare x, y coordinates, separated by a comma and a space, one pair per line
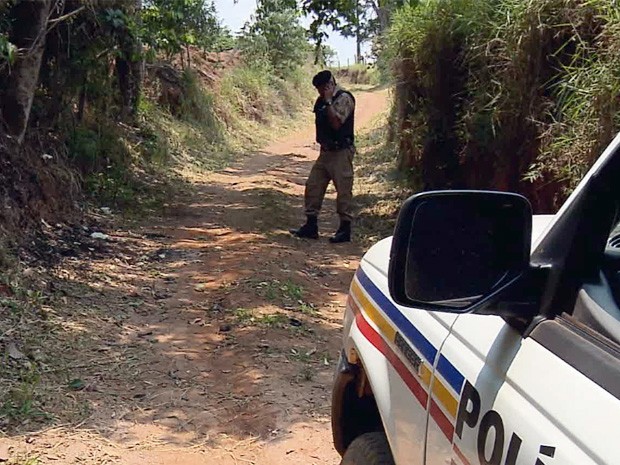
334, 166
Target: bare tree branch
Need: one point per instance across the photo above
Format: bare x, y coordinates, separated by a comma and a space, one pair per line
64, 17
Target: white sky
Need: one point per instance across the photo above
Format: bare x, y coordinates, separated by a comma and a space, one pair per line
234, 15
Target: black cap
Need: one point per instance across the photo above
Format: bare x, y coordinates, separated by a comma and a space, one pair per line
322, 78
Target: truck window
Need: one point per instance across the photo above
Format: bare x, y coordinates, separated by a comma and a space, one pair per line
587, 335
598, 301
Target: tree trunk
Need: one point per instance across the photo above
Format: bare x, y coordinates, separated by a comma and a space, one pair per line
29, 31
384, 18
123, 74
137, 72
130, 68
383, 10
358, 39
137, 67
82, 103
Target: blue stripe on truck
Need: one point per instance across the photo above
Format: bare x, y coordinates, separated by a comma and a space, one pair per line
444, 367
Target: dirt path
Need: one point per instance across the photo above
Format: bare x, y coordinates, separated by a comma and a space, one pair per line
212, 335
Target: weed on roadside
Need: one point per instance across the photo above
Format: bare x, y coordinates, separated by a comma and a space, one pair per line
26, 459
274, 320
380, 188
300, 355
287, 294
291, 291
20, 404
247, 317
307, 373
243, 315
46, 346
307, 309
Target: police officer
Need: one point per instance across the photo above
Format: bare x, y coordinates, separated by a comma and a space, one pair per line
334, 119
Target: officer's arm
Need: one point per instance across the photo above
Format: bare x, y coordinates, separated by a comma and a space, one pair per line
334, 118
339, 111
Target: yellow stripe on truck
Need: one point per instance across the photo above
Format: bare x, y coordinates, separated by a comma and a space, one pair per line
440, 391
373, 314
445, 397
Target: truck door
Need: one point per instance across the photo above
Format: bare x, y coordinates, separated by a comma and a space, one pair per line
552, 397
399, 348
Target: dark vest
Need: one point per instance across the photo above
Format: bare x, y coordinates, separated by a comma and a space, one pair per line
328, 137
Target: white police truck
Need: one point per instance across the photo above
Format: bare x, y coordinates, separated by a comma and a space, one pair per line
480, 334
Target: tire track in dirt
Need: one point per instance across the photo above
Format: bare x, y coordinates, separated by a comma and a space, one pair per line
237, 329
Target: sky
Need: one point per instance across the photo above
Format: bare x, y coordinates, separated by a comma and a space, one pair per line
234, 15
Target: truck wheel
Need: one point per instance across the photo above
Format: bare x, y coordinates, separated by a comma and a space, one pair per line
368, 449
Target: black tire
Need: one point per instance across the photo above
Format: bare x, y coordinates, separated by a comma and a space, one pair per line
368, 449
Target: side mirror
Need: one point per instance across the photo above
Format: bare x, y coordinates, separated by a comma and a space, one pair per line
453, 251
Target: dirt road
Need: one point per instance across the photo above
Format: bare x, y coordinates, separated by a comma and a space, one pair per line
211, 335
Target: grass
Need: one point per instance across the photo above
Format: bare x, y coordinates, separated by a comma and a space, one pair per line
22, 328
309, 360
247, 317
507, 95
274, 320
136, 168
291, 291
243, 315
20, 404
253, 102
299, 355
123, 167
27, 459
276, 290
380, 188
287, 294
308, 356
49, 351
307, 309
307, 373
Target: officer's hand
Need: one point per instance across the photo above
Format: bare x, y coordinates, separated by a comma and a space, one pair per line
328, 94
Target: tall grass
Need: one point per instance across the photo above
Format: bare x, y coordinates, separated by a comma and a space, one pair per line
515, 95
252, 98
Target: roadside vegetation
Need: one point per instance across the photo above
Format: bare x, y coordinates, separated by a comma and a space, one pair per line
114, 98
510, 95
360, 74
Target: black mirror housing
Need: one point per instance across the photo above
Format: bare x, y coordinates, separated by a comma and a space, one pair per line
454, 251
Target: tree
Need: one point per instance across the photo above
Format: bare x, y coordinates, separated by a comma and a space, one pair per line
124, 24
325, 55
174, 25
362, 26
274, 34
28, 34
224, 40
363, 19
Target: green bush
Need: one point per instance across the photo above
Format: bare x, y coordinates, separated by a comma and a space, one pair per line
505, 94
96, 147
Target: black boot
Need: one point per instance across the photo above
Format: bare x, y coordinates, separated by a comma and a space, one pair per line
343, 234
310, 230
